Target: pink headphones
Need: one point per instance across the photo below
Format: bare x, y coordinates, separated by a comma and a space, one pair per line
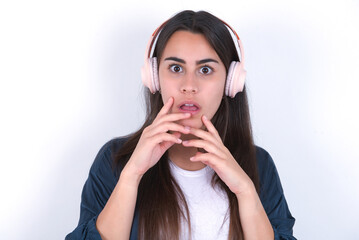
235, 77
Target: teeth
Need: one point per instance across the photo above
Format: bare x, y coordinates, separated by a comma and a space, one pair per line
189, 105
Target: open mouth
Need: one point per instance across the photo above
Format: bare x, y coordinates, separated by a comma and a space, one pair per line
190, 107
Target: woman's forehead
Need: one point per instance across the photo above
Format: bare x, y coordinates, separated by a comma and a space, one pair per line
187, 45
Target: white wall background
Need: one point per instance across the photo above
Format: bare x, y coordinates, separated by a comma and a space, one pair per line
70, 81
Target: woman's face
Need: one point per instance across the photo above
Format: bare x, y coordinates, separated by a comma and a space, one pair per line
192, 73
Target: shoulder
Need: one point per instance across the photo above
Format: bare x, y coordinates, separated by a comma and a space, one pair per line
264, 159
105, 157
267, 171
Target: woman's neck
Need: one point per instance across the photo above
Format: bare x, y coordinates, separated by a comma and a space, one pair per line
180, 155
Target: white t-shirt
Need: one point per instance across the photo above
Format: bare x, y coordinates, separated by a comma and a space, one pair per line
208, 207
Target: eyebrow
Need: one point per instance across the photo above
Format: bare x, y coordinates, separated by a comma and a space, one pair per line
206, 60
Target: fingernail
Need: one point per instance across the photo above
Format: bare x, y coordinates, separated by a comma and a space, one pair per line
185, 142
187, 114
179, 140
204, 117
191, 158
187, 128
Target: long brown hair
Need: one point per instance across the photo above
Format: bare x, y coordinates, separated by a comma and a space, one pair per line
161, 203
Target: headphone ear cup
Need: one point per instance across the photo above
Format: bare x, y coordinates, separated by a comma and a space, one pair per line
229, 78
235, 79
149, 75
154, 71
146, 75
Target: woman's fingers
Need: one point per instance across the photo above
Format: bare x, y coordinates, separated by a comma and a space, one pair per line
229, 171
204, 135
167, 126
207, 158
171, 117
176, 134
166, 107
158, 137
211, 128
161, 137
211, 135
165, 121
217, 156
164, 115
208, 146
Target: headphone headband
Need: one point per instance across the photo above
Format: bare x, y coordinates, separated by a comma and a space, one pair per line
154, 37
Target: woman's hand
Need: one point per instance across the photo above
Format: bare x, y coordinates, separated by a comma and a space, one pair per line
219, 158
115, 220
156, 139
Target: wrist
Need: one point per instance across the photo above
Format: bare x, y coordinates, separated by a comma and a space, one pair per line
248, 192
130, 176
249, 202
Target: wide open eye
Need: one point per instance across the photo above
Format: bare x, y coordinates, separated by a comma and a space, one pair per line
176, 68
206, 70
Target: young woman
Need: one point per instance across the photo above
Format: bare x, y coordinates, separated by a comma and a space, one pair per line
192, 171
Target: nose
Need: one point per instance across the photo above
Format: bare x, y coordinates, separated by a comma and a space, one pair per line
189, 85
